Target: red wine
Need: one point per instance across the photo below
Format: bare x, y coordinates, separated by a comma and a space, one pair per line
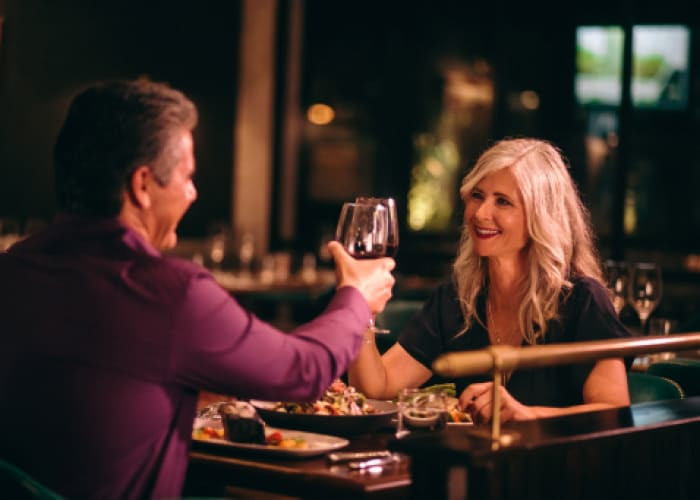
368, 255
378, 251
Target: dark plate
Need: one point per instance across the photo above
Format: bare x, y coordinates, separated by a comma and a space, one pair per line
343, 425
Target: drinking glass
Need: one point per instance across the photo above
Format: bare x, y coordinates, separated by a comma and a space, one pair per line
392, 237
246, 253
644, 290
403, 402
661, 326
219, 244
363, 232
616, 278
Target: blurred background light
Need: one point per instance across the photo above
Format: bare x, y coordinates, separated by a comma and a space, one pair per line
320, 114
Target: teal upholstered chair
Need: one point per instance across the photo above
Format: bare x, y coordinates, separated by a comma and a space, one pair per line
18, 485
644, 387
394, 317
684, 371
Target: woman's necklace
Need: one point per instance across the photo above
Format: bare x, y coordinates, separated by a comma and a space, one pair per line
497, 337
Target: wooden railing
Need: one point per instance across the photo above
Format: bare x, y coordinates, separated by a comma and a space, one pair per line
498, 360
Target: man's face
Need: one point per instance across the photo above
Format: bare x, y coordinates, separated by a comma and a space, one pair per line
170, 202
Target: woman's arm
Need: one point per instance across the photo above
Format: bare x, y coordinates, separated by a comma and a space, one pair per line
605, 387
381, 377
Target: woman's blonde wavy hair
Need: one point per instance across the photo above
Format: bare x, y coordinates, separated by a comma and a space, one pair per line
560, 242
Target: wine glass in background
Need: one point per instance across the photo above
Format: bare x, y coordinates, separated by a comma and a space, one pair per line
246, 254
662, 326
363, 231
644, 290
219, 244
616, 278
393, 222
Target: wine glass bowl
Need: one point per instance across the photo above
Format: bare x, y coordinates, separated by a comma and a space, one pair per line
362, 230
392, 237
645, 290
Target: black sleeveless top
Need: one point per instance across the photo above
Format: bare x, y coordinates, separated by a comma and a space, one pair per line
585, 313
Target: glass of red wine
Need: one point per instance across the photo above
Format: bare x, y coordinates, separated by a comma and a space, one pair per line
363, 230
392, 238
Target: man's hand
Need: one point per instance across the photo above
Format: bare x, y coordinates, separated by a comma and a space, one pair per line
372, 277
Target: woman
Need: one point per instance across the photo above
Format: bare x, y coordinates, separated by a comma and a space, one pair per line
526, 273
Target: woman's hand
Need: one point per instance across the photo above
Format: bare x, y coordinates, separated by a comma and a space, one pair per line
476, 400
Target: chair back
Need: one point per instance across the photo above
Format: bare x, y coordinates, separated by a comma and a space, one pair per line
18, 485
644, 387
684, 371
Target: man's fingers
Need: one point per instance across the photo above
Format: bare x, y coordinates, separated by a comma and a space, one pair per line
336, 250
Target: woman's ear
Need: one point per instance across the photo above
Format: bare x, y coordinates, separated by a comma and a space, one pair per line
138, 187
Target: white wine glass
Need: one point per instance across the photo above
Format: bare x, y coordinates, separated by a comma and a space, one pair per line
616, 279
363, 232
645, 290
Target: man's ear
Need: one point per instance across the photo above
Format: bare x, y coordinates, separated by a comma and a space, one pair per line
138, 187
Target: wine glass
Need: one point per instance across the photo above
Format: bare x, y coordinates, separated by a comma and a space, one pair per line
246, 254
363, 232
403, 402
219, 244
393, 222
616, 278
644, 290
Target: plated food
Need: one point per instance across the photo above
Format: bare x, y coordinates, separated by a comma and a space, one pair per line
422, 418
455, 415
339, 399
273, 437
341, 411
278, 442
239, 422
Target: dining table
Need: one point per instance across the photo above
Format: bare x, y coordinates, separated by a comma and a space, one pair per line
223, 471
645, 451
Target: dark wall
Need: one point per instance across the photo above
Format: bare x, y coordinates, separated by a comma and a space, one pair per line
50, 50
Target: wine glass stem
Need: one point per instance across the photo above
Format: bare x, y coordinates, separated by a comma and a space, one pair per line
400, 429
643, 325
374, 328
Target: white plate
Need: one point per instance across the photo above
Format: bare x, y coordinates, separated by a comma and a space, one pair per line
318, 444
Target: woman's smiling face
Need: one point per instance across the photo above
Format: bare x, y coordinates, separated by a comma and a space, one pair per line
495, 215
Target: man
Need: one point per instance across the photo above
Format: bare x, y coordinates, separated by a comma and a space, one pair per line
106, 343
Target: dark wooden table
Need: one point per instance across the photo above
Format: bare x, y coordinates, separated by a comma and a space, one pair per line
646, 451
216, 471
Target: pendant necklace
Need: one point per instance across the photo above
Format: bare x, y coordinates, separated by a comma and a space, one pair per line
496, 336
493, 330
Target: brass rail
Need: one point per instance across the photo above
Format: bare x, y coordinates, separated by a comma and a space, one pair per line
499, 359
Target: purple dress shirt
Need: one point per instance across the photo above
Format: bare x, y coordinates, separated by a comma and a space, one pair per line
106, 344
